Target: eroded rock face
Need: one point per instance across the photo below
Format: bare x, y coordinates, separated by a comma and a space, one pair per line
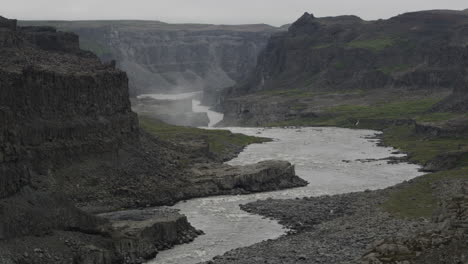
158, 228
421, 51
347, 52
57, 108
58, 105
262, 176
160, 57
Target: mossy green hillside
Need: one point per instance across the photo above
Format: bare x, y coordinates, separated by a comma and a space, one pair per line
349, 115
418, 198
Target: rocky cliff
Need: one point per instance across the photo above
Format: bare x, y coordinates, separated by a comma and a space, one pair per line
161, 57
416, 50
58, 105
349, 57
70, 147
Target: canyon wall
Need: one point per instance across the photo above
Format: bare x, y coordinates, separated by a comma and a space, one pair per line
60, 104
161, 57
415, 50
422, 52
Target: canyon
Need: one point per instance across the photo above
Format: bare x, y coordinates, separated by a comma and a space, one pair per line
172, 58
72, 148
83, 176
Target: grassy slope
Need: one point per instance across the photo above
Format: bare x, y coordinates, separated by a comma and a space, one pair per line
348, 115
416, 199
219, 142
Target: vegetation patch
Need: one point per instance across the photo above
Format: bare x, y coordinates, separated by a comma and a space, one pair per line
395, 68
350, 115
422, 149
219, 141
390, 110
339, 65
377, 44
418, 199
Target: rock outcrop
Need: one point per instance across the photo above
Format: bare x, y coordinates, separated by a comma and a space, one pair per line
347, 52
154, 229
345, 58
161, 57
263, 176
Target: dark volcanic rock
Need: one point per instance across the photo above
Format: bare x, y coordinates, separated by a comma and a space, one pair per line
71, 145
262, 176
345, 53
422, 51
154, 229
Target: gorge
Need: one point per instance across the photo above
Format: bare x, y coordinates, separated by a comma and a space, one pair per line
72, 148
89, 174
172, 58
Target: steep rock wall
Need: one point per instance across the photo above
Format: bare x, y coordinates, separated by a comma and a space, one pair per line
421, 52
57, 113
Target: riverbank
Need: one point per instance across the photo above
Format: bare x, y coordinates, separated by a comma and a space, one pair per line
417, 221
330, 159
350, 228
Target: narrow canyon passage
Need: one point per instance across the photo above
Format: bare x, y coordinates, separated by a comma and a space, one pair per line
332, 160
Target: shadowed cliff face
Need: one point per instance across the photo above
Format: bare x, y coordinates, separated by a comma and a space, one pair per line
458, 101
57, 104
422, 50
160, 57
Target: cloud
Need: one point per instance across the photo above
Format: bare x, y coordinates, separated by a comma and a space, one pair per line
273, 12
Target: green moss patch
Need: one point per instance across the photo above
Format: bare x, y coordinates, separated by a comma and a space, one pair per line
421, 148
418, 199
348, 115
377, 44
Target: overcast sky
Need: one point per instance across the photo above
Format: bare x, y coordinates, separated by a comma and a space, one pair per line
274, 12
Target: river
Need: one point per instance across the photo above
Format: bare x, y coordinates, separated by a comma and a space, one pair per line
330, 159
